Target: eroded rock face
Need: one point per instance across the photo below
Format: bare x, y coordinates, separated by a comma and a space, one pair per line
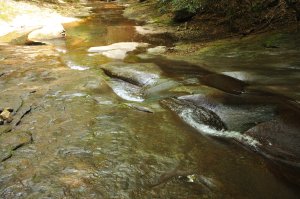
117, 50
224, 83
129, 80
280, 141
49, 32
137, 74
279, 138
194, 115
239, 114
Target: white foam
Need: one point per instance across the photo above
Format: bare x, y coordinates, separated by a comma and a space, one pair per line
126, 95
74, 95
186, 115
117, 50
76, 67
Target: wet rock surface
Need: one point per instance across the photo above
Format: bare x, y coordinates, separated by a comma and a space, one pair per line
239, 113
97, 133
137, 74
11, 141
279, 138
193, 114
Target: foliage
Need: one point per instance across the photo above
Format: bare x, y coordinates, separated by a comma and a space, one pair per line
239, 14
189, 5
50, 1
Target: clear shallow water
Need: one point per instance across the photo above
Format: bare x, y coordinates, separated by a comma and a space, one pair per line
89, 144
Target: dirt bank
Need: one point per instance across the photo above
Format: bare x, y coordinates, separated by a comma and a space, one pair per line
215, 20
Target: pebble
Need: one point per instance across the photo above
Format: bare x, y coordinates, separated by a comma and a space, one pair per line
6, 115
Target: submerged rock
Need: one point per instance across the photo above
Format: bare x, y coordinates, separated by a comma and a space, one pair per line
117, 50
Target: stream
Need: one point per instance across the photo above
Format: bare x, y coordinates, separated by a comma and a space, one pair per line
82, 130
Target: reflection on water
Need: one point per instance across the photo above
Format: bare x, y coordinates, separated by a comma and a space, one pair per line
89, 144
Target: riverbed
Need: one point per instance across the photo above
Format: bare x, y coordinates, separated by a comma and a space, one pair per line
82, 133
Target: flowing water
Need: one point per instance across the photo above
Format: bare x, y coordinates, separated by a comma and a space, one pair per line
84, 141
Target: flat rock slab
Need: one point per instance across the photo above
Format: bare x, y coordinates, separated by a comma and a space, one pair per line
117, 50
11, 141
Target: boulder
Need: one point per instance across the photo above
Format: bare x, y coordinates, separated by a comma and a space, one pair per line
49, 32
183, 15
